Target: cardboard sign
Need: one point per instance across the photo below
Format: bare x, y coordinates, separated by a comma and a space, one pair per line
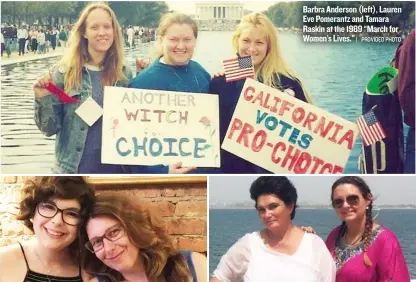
285, 135
151, 127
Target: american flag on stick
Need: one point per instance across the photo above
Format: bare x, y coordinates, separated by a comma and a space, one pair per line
370, 128
238, 68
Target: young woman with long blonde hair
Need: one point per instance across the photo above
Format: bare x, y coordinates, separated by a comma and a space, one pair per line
94, 59
257, 37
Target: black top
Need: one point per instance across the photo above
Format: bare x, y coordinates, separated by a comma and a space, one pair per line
32, 276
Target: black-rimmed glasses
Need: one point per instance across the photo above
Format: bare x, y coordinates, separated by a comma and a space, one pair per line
49, 210
112, 234
352, 200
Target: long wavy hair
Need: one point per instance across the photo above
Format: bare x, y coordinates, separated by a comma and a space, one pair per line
167, 21
77, 54
273, 64
366, 193
161, 259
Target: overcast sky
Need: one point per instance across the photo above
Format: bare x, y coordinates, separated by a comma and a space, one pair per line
392, 190
189, 6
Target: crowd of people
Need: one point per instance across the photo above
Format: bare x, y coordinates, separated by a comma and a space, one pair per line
37, 39
40, 39
255, 36
92, 63
81, 236
134, 35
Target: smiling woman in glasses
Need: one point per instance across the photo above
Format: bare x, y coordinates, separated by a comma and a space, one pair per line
53, 208
363, 250
124, 242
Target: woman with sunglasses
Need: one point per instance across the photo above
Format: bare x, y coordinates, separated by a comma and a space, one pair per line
126, 243
53, 208
281, 251
363, 250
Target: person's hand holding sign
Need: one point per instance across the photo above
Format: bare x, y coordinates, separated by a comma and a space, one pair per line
178, 169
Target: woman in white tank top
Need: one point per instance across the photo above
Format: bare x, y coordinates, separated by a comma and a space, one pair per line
281, 251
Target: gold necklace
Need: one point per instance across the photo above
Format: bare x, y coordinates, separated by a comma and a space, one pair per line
49, 272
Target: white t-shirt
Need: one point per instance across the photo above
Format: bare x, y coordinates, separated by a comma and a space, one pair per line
22, 33
249, 260
130, 33
41, 38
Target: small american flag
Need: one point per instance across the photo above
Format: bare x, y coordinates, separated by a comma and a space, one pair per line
238, 68
370, 128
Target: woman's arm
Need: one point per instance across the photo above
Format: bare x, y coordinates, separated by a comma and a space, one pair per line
233, 265
200, 265
11, 258
392, 265
324, 260
48, 108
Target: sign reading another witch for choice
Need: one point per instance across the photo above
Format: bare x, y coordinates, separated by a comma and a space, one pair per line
150, 127
285, 135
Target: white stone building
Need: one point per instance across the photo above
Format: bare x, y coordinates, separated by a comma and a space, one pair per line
219, 11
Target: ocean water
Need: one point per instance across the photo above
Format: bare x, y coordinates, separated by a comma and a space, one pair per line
335, 76
226, 226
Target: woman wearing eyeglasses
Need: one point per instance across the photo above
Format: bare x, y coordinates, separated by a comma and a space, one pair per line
281, 251
53, 208
126, 243
363, 250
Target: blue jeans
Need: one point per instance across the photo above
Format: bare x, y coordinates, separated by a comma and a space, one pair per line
409, 160
9, 46
42, 48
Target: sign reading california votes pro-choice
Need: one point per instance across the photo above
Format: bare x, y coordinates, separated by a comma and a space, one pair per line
285, 135
150, 127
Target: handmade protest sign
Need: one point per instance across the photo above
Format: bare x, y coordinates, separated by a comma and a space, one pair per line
150, 127
285, 135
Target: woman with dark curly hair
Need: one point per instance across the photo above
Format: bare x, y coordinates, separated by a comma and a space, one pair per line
363, 250
53, 208
126, 243
281, 251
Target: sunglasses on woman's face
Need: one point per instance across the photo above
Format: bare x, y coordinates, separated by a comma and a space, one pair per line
351, 200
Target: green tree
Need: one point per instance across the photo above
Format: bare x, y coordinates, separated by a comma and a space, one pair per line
139, 13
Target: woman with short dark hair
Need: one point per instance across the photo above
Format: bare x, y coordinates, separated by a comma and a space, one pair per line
281, 251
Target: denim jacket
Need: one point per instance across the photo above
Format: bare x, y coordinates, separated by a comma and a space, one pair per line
54, 117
